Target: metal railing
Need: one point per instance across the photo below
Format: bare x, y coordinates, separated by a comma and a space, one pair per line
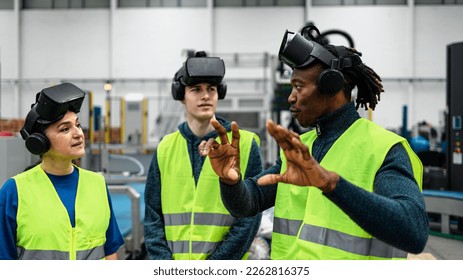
135, 239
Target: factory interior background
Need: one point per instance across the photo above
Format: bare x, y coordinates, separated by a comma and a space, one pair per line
125, 53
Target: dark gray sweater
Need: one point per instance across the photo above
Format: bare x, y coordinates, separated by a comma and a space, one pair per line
394, 212
241, 234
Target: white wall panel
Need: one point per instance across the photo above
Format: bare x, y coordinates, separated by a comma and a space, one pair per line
380, 33
254, 29
436, 28
148, 43
8, 44
396, 41
65, 44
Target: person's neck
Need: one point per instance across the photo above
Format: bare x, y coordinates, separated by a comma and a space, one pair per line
337, 122
200, 128
56, 167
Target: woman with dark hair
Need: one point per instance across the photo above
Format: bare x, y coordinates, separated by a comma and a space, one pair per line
56, 210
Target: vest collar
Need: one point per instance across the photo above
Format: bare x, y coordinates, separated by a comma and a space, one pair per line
336, 122
191, 137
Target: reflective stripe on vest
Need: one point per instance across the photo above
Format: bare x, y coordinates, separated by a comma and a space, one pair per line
336, 239
195, 218
91, 254
197, 247
44, 230
307, 225
200, 219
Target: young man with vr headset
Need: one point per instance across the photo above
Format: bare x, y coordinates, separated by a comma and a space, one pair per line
347, 189
56, 210
185, 218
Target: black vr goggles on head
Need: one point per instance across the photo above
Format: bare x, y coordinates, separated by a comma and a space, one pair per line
203, 69
51, 104
197, 70
298, 51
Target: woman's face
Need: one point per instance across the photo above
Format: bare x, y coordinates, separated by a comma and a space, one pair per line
67, 141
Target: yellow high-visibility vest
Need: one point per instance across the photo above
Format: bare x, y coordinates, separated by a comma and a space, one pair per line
307, 225
44, 230
196, 220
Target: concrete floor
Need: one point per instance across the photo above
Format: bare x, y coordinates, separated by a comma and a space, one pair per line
441, 248
444, 248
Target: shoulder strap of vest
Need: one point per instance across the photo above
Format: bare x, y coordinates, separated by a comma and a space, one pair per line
166, 139
383, 134
88, 173
26, 173
250, 134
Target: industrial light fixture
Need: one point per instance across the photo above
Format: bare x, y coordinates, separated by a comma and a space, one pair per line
108, 86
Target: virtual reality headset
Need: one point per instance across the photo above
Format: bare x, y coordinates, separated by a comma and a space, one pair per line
52, 104
202, 70
297, 51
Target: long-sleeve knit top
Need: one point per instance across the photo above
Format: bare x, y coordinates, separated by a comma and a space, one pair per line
242, 232
394, 212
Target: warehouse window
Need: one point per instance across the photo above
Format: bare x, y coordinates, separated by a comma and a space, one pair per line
258, 3
65, 4
438, 2
160, 3
6, 4
357, 2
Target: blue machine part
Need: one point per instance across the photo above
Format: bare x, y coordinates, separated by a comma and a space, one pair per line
419, 144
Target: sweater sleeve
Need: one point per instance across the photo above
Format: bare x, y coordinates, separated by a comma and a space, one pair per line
155, 236
395, 211
8, 210
238, 240
247, 198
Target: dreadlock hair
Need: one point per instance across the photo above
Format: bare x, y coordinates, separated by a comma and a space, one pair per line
369, 84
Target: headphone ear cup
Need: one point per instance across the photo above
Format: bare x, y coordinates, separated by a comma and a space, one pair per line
222, 90
330, 81
178, 90
37, 143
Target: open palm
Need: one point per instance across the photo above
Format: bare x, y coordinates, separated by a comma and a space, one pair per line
301, 168
224, 156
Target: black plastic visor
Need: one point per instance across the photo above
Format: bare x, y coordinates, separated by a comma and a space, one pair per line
297, 52
203, 70
52, 103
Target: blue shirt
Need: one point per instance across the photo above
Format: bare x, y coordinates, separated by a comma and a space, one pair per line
66, 187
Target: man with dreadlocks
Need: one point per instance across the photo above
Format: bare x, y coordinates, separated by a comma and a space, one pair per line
348, 189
